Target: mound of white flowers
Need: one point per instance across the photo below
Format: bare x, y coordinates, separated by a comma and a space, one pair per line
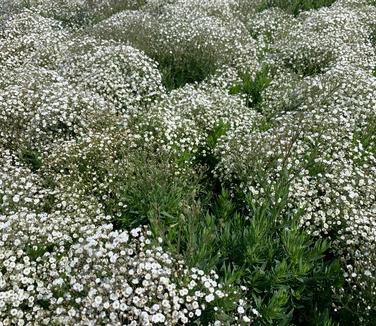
69, 266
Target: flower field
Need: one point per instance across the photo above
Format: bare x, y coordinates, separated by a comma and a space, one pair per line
188, 162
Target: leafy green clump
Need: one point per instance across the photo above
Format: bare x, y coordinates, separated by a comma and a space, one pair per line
287, 271
190, 68
296, 6
252, 87
290, 276
31, 158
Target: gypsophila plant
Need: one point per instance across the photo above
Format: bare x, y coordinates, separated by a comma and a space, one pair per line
24, 36
198, 162
123, 75
78, 13
189, 40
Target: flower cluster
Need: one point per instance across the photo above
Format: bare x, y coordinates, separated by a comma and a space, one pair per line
192, 37
122, 75
75, 13
39, 106
95, 164
63, 268
191, 119
19, 186
63, 262
270, 25
24, 35
325, 38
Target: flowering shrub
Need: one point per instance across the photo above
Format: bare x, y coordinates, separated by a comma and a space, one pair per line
320, 131
63, 262
189, 40
190, 162
24, 35
75, 13
326, 37
39, 106
188, 119
122, 75
106, 276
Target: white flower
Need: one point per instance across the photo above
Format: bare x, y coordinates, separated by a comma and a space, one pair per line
158, 318
367, 273
240, 310
246, 319
209, 297
98, 300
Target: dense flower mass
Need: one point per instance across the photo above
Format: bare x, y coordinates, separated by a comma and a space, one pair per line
23, 38
106, 276
141, 139
121, 74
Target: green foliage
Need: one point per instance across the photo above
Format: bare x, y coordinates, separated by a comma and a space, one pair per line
313, 166
373, 36
323, 318
252, 87
154, 192
26, 3
289, 275
208, 159
286, 269
295, 6
367, 135
38, 250
31, 158
218, 131
190, 67
308, 67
